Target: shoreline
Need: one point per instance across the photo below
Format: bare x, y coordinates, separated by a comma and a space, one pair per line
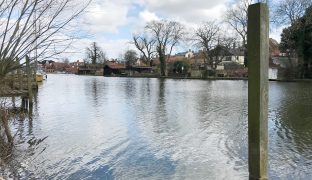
216, 78
198, 78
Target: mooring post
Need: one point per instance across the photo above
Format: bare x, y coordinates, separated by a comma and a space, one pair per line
258, 56
25, 103
13, 101
19, 79
29, 81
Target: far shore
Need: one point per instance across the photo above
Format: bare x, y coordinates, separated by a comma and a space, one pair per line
198, 78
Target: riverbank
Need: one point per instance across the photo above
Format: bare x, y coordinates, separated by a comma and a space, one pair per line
181, 77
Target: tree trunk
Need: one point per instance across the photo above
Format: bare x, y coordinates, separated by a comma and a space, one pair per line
151, 63
162, 66
162, 60
245, 53
5, 122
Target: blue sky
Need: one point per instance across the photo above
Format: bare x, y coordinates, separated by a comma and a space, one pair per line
112, 23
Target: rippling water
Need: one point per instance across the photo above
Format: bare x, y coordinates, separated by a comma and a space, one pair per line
123, 128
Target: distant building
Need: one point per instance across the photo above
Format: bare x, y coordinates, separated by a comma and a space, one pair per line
74, 66
117, 69
188, 54
237, 56
274, 48
112, 69
280, 66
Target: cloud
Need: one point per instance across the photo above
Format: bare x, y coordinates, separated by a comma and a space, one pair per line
109, 16
194, 11
116, 48
106, 16
147, 16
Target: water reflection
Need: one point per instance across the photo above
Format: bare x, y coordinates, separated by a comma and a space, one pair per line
130, 128
28, 148
291, 105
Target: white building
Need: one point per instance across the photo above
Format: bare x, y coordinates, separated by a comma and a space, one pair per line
273, 73
189, 54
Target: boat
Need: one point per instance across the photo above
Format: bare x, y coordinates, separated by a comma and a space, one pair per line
40, 75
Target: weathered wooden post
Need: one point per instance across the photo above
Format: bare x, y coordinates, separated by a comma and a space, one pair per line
20, 79
13, 102
258, 56
23, 103
29, 81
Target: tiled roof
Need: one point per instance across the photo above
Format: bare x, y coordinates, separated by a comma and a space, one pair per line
116, 66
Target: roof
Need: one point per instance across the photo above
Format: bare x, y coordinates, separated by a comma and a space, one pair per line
274, 47
115, 66
237, 52
181, 53
142, 67
184, 53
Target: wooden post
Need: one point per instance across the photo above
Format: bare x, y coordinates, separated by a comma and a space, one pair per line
23, 103
29, 81
13, 102
20, 78
258, 57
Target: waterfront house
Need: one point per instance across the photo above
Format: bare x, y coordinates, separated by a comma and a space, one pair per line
116, 69
112, 69
74, 66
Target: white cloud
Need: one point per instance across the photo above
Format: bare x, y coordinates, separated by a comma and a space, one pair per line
147, 16
106, 16
138, 23
193, 11
115, 48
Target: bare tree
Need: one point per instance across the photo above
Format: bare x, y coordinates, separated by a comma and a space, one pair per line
288, 11
206, 38
167, 35
236, 16
221, 51
36, 28
65, 60
146, 46
95, 54
214, 43
130, 57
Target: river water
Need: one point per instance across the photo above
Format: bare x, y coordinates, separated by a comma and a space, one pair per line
86, 127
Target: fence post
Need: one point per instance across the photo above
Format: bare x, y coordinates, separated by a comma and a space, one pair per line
258, 56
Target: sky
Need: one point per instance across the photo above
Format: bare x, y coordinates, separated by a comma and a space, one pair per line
111, 23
